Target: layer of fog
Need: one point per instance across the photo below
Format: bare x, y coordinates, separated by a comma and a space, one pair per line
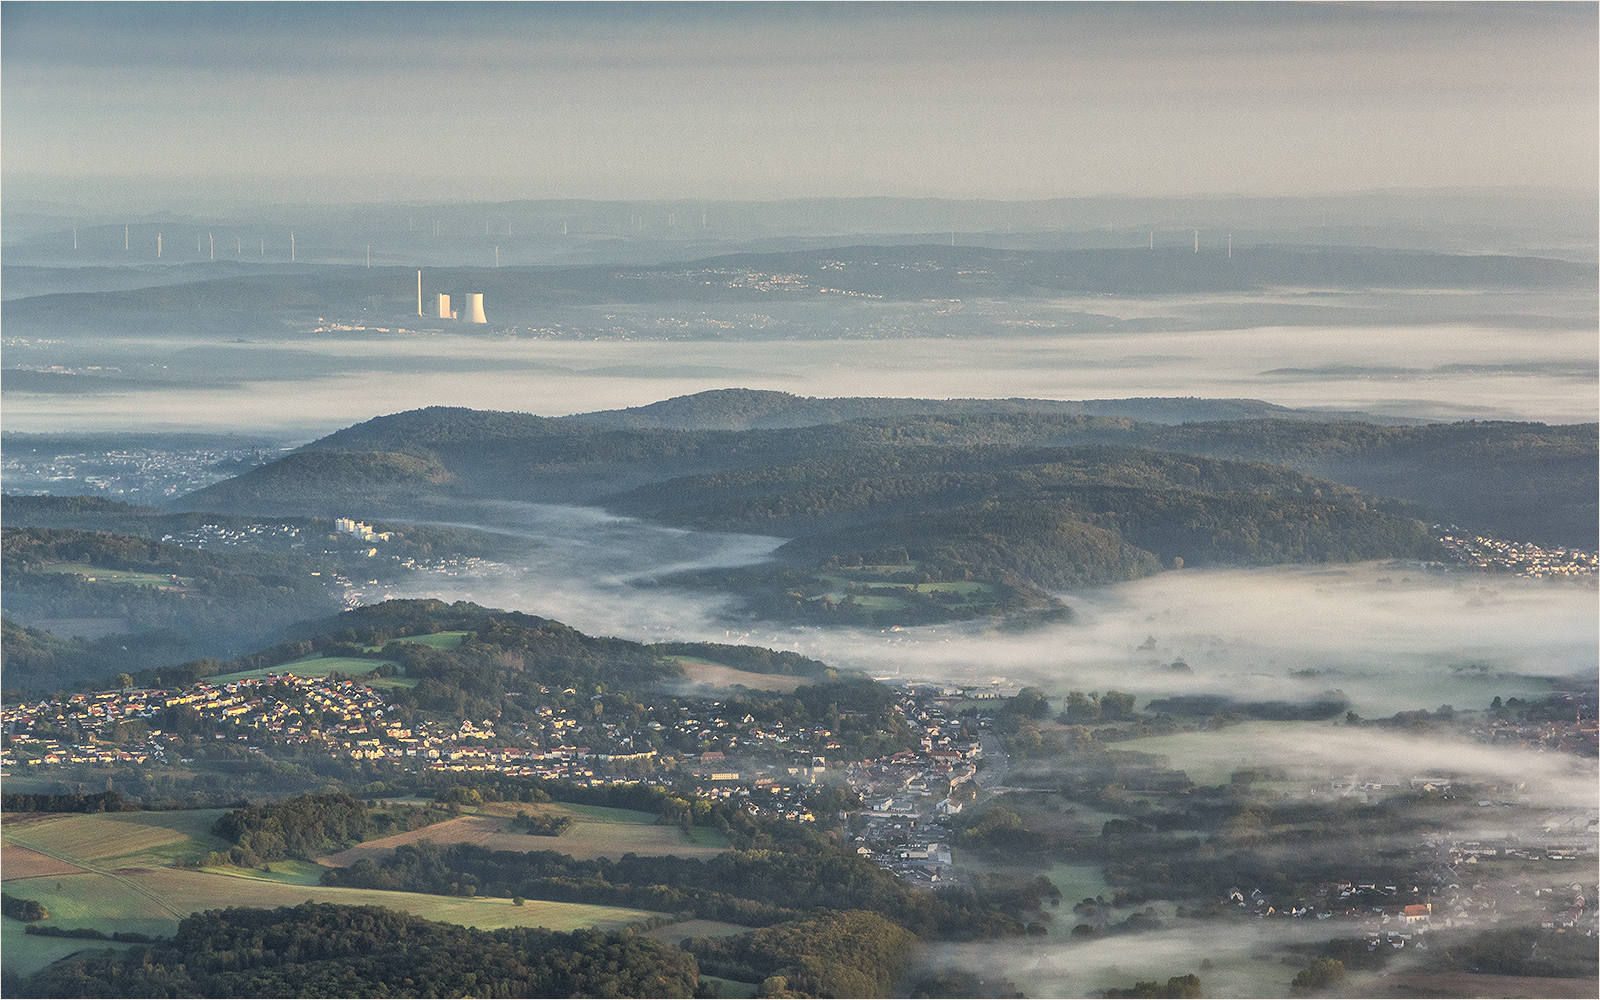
1247, 961
1391, 636
591, 570
1444, 373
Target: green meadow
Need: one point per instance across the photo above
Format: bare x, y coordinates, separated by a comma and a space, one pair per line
318, 665
438, 640
100, 574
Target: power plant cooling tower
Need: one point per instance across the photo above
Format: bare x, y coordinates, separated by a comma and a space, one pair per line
475, 308
444, 306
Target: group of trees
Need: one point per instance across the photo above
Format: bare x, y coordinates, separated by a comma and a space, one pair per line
1176, 986
68, 802
1113, 706
756, 887
309, 825
322, 949
849, 954
22, 909
541, 824
1021, 519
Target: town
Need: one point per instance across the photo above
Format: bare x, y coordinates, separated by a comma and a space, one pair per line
138, 475
898, 812
1518, 558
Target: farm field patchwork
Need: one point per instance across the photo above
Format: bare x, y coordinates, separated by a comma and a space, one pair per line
150, 901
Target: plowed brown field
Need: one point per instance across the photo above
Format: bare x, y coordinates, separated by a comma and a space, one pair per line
19, 862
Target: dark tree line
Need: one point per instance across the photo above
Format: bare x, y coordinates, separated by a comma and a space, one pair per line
751, 887
309, 825
325, 950
849, 954
71, 802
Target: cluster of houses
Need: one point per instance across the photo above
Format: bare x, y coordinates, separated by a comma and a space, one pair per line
279, 537
137, 473
908, 797
351, 719
112, 726
1520, 558
1575, 736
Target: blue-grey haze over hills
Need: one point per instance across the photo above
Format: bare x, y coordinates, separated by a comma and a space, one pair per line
1183, 332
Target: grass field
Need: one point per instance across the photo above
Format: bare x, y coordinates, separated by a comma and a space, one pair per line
438, 640
316, 665
1210, 758
119, 840
598, 832
872, 602
1078, 882
99, 574
948, 587
26, 954
283, 872
716, 675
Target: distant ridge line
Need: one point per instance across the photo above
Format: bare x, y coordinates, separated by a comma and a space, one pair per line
765, 409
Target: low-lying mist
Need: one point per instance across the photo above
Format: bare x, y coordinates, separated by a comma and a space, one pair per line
1246, 961
1435, 372
1390, 636
583, 567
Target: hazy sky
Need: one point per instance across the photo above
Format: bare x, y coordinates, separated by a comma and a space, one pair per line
464, 101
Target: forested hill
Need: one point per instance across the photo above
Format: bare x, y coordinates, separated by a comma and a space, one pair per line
1523, 481
745, 409
1054, 518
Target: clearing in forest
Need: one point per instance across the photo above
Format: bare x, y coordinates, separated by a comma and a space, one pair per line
598, 832
718, 676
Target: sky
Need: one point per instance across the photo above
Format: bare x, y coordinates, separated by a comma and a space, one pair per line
363, 102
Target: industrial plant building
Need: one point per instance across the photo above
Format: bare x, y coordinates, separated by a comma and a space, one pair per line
473, 313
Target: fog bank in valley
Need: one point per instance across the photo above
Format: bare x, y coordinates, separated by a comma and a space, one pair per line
303, 389
1391, 636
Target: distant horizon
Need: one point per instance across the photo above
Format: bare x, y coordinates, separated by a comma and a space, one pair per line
165, 104
31, 201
